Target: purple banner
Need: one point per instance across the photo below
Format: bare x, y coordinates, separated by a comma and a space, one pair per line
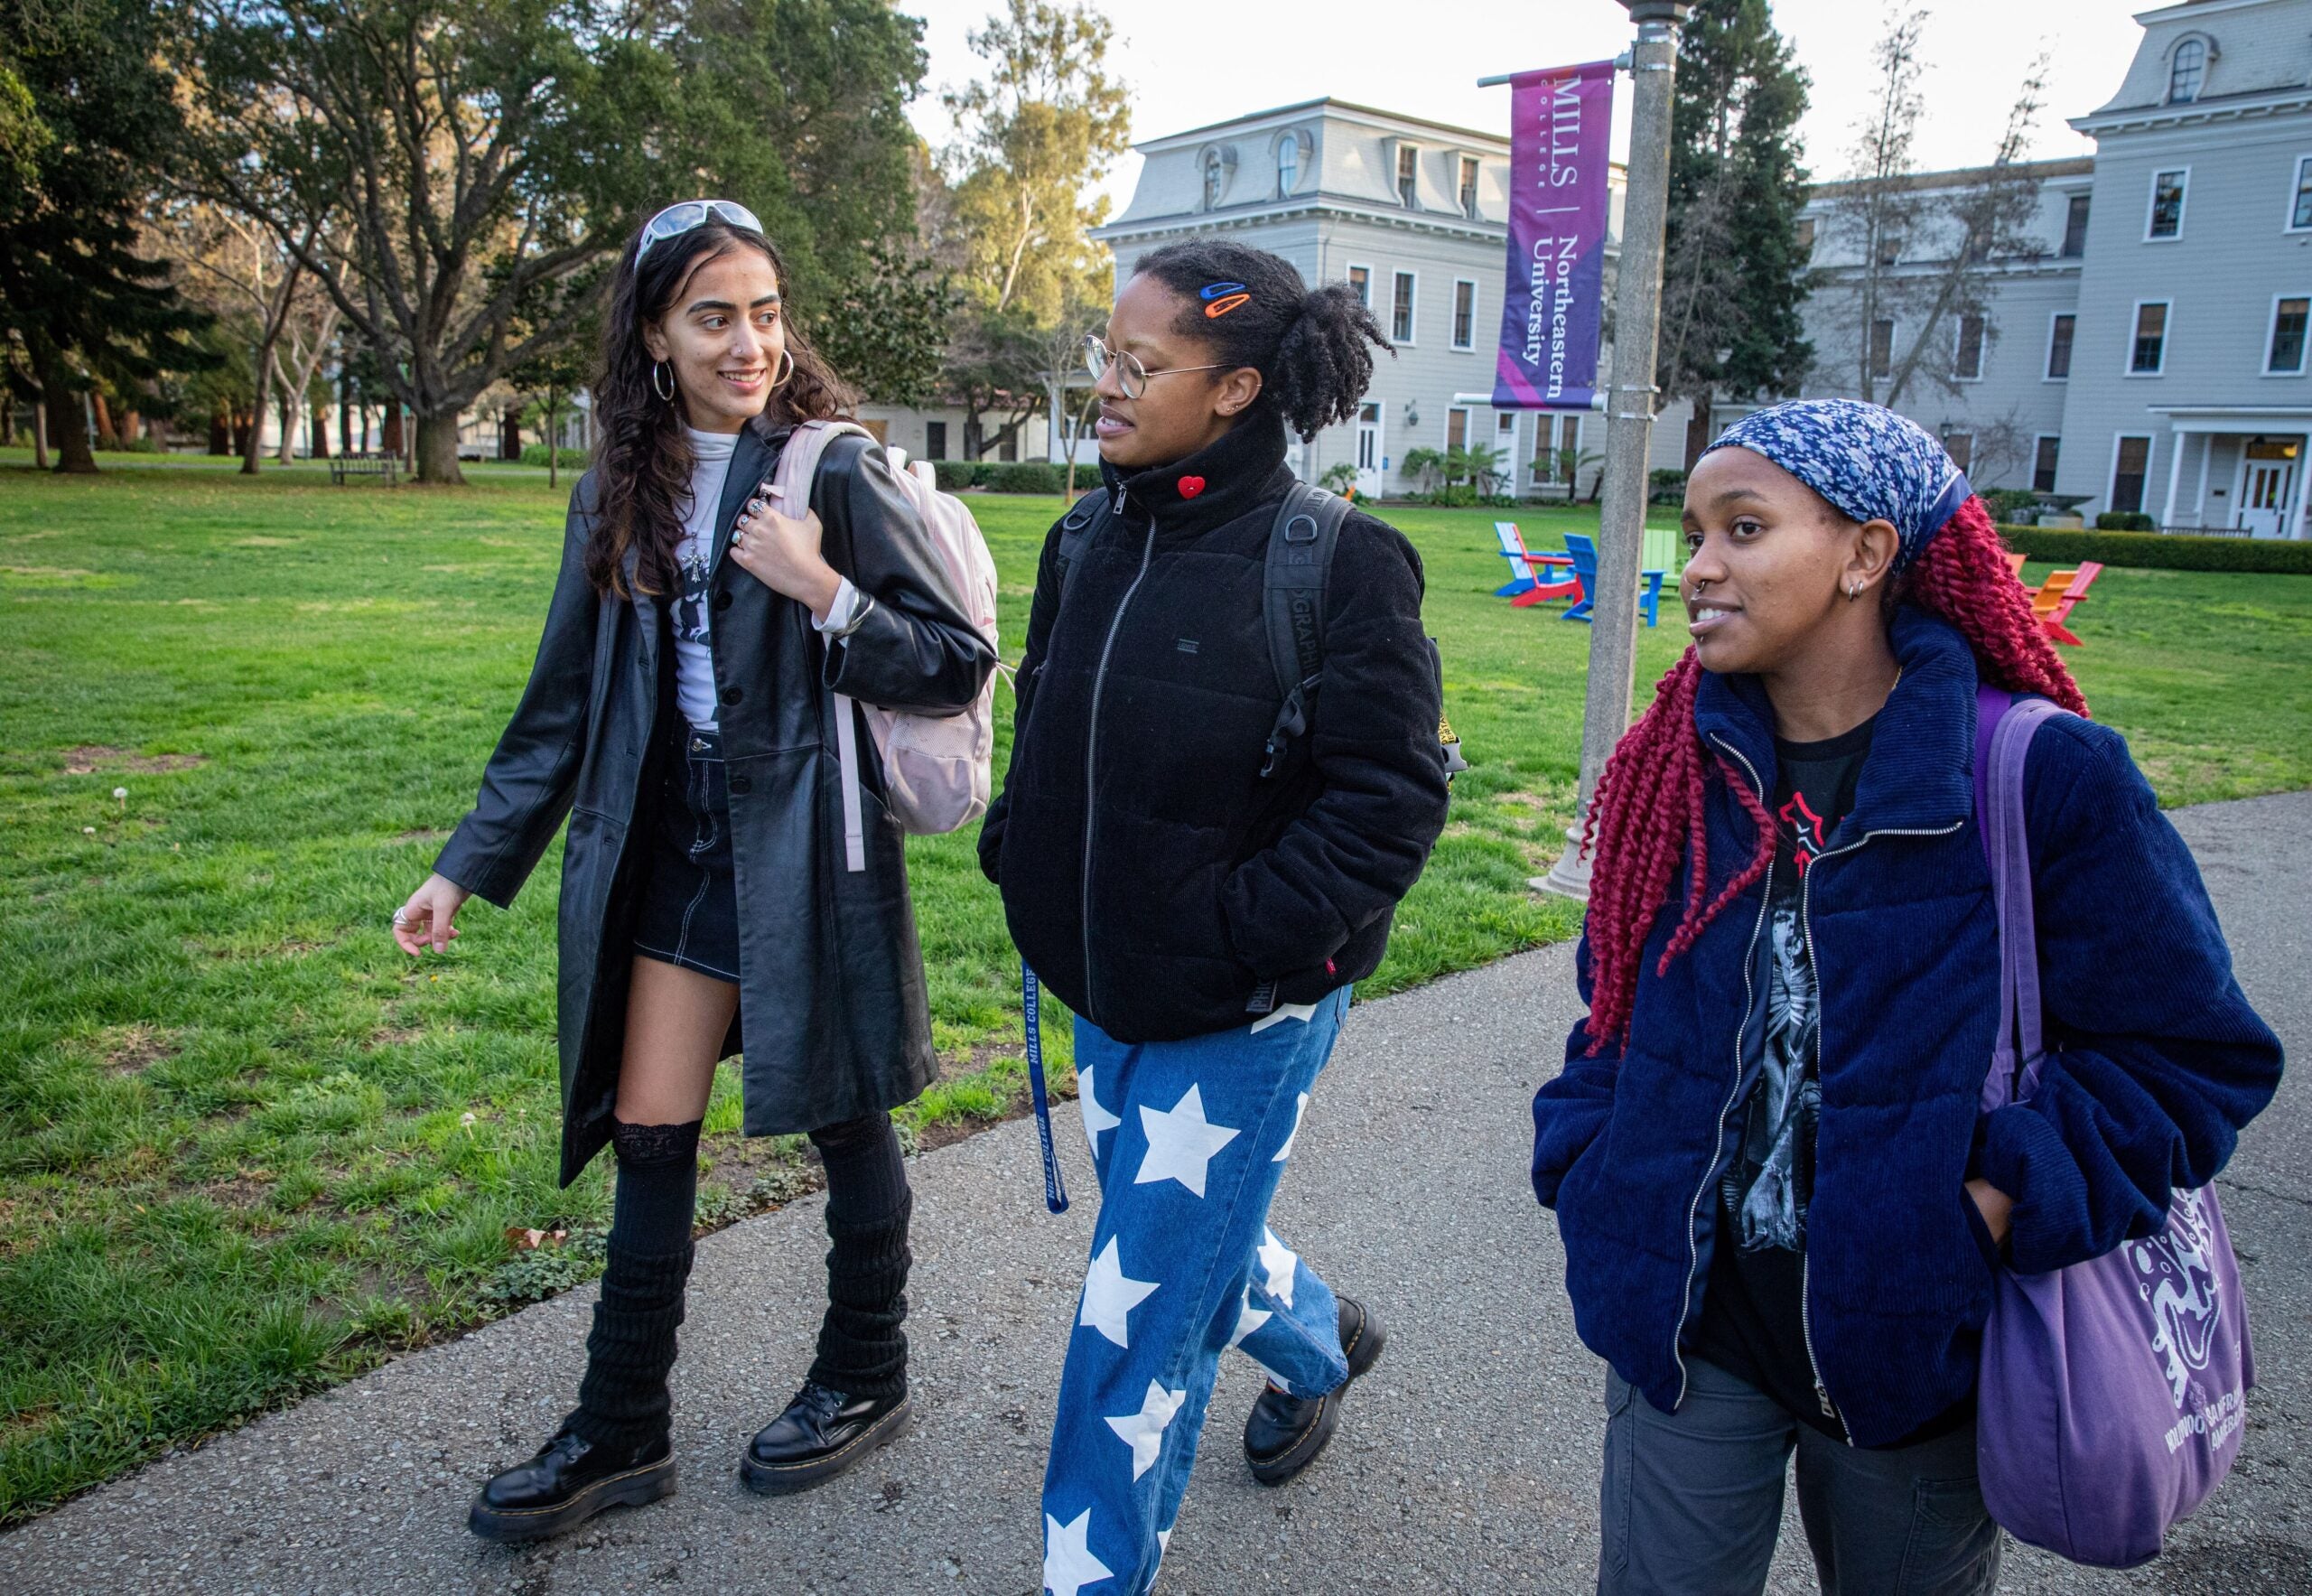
1561, 122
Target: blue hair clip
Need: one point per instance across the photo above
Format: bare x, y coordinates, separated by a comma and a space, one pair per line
1215, 290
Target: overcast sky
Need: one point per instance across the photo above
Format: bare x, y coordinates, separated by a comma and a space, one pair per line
1193, 64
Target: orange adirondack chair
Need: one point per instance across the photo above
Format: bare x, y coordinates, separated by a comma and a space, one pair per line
2052, 618
2050, 593
2015, 564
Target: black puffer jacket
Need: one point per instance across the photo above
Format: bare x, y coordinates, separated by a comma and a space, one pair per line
1152, 877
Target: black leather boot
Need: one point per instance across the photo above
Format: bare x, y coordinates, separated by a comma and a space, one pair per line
1285, 1433
569, 1481
821, 1434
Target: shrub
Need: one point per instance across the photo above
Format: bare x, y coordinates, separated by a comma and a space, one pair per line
143, 444
1665, 487
954, 475
2159, 551
1024, 476
2125, 520
2006, 504
570, 460
1454, 495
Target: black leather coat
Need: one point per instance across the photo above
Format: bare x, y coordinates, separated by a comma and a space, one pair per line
832, 1001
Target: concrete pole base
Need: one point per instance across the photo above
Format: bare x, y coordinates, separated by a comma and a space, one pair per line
1569, 876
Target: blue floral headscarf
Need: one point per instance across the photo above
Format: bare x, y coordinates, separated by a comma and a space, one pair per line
1870, 463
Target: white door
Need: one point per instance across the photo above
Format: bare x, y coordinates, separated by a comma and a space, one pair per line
1368, 451
2265, 495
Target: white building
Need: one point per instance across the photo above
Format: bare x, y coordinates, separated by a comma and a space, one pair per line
1412, 212
2152, 349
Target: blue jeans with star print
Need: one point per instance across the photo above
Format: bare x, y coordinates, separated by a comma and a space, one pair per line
1189, 1139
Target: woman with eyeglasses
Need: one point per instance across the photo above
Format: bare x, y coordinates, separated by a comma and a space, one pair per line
680, 711
1200, 874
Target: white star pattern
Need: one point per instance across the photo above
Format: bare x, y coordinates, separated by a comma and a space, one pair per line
1143, 1432
1277, 1263
1285, 1152
1068, 1562
1248, 1319
1095, 1118
1110, 1295
1180, 1142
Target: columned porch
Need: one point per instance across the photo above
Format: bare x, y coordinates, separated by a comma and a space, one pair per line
2240, 469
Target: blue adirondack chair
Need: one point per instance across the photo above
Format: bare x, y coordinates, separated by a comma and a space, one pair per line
1584, 550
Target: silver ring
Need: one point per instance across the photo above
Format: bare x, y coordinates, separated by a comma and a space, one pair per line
400, 918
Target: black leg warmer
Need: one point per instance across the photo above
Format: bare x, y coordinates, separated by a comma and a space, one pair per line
623, 1402
863, 1349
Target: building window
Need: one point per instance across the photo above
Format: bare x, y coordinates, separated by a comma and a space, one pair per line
1967, 360
1465, 314
2300, 208
1400, 310
1368, 436
2059, 333
2074, 229
1504, 425
1890, 249
1469, 186
2129, 467
1008, 451
2042, 463
1215, 175
2148, 355
2285, 356
1287, 165
934, 440
1360, 279
1882, 347
1456, 428
1409, 177
2185, 73
1805, 238
2168, 203
1960, 448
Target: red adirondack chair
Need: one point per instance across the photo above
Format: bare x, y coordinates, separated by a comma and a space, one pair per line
1540, 565
2052, 618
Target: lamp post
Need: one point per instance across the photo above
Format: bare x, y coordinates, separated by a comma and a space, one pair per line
1630, 406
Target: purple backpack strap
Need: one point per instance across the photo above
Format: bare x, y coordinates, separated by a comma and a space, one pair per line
2004, 727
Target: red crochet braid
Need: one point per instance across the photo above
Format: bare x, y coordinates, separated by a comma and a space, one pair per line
1648, 807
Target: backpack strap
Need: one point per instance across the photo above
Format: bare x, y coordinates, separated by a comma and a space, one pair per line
1077, 529
1300, 543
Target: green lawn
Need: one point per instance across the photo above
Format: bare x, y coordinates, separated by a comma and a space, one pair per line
247, 1150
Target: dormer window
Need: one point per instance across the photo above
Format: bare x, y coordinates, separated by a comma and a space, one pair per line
1215, 176
1409, 177
1288, 165
2185, 72
1469, 186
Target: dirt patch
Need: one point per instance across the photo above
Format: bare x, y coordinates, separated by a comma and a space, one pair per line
245, 1190
953, 1065
423, 834
394, 1036
128, 1049
90, 758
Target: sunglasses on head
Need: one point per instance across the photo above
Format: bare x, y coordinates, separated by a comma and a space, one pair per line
676, 221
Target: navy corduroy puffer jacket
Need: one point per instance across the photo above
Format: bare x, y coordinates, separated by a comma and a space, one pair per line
2156, 1058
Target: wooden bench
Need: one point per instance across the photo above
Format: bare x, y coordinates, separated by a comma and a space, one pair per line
386, 468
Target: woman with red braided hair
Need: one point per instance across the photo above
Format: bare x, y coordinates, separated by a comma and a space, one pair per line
1780, 1206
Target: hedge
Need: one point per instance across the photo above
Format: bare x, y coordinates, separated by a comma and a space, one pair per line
1020, 476
2159, 551
572, 459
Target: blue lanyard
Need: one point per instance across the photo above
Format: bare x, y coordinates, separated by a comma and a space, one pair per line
1031, 1003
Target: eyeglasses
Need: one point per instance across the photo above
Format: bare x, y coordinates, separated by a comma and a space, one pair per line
1131, 375
676, 221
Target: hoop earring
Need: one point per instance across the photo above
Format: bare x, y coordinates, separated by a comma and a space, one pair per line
782, 382
667, 392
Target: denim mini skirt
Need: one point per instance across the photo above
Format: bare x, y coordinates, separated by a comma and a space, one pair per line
690, 906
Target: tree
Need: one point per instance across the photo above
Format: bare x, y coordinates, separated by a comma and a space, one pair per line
556, 374
1037, 133
1734, 277
888, 327
486, 155
83, 107
1919, 260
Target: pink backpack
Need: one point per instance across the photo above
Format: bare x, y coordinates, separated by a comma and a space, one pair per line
938, 769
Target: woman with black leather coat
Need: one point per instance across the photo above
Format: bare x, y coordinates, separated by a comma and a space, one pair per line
681, 712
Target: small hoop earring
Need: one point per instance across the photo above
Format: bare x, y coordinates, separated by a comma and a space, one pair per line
667, 392
782, 382
1853, 590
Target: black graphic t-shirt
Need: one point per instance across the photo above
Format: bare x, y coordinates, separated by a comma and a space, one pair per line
1752, 1321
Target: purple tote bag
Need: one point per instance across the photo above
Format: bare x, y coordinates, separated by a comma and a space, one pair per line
2113, 1391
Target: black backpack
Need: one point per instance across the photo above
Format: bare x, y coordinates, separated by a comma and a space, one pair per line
1301, 543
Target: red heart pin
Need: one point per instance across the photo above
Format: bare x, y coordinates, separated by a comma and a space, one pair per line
1191, 486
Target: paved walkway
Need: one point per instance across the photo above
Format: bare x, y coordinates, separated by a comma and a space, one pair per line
1408, 1188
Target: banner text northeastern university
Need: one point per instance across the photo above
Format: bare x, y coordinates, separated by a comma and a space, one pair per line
1561, 121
